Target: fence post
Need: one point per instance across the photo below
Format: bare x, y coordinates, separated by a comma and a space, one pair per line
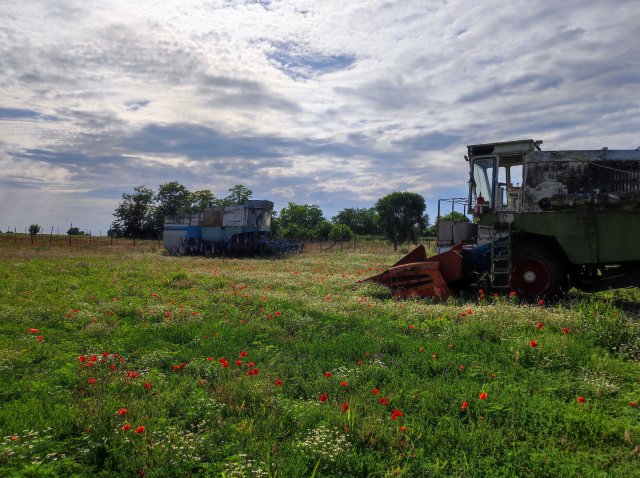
51, 236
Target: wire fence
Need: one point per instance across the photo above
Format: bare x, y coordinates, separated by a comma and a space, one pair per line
87, 241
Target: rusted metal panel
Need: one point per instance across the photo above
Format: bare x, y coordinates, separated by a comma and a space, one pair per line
213, 216
581, 180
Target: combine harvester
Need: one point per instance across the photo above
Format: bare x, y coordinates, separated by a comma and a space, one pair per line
544, 221
226, 230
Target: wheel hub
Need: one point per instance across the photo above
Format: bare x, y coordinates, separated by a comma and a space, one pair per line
531, 275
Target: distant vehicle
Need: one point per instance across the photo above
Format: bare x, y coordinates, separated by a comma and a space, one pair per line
225, 230
544, 221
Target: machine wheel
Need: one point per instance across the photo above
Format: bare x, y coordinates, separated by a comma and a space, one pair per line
538, 272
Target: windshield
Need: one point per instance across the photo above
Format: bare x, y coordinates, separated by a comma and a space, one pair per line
483, 178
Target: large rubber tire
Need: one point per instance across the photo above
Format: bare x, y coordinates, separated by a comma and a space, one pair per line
538, 272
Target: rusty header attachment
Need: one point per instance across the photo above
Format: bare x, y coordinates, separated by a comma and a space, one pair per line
415, 275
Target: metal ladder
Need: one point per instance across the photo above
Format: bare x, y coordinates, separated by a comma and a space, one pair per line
501, 260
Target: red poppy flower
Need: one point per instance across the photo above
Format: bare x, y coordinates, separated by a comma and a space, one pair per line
209, 359
580, 400
533, 343
464, 406
412, 327
539, 325
39, 338
93, 358
122, 411
461, 367
403, 429
278, 381
147, 385
513, 293
175, 367
451, 346
115, 355
375, 391
278, 313
328, 374
344, 384
82, 358
91, 381
126, 427
565, 330
345, 407
359, 362
140, 429
540, 302
105, 354
633, 404
33, 331
238, 362
383, 401
323, 397
250, 364
469, 311
112, 366
395, 414
483, 396
243, 353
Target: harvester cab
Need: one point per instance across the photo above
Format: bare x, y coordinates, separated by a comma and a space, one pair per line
543, 221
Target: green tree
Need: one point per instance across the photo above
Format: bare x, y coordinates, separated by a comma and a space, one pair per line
321, 230
134, 213
359, 220
75, 231
402, 216
300, 220
172, 199
202, 199
340, 233
237, 196
34, 229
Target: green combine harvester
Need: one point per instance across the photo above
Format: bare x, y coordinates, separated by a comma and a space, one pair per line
544, 221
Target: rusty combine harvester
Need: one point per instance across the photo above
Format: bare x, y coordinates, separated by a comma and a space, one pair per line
544, 221
226, 230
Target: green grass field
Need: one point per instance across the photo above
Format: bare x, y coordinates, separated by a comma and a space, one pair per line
120, 361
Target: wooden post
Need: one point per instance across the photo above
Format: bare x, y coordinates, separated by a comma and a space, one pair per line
51, 236
70, 233
15, 235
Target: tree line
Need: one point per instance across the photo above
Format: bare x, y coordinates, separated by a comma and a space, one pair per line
399, 216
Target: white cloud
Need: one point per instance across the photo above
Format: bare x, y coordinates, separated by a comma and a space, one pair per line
393, 90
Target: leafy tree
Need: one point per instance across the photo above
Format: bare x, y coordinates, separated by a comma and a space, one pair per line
202, 199
34, 229
75, 231
237, 196
171, 199
359, 220
340, 233
134, 215
301, 220
402, 216
322, 230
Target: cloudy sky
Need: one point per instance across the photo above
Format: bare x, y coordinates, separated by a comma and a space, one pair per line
327, 102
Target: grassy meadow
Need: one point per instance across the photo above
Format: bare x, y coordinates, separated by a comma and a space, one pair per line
118, 361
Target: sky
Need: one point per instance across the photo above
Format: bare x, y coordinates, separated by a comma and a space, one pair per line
328, 102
